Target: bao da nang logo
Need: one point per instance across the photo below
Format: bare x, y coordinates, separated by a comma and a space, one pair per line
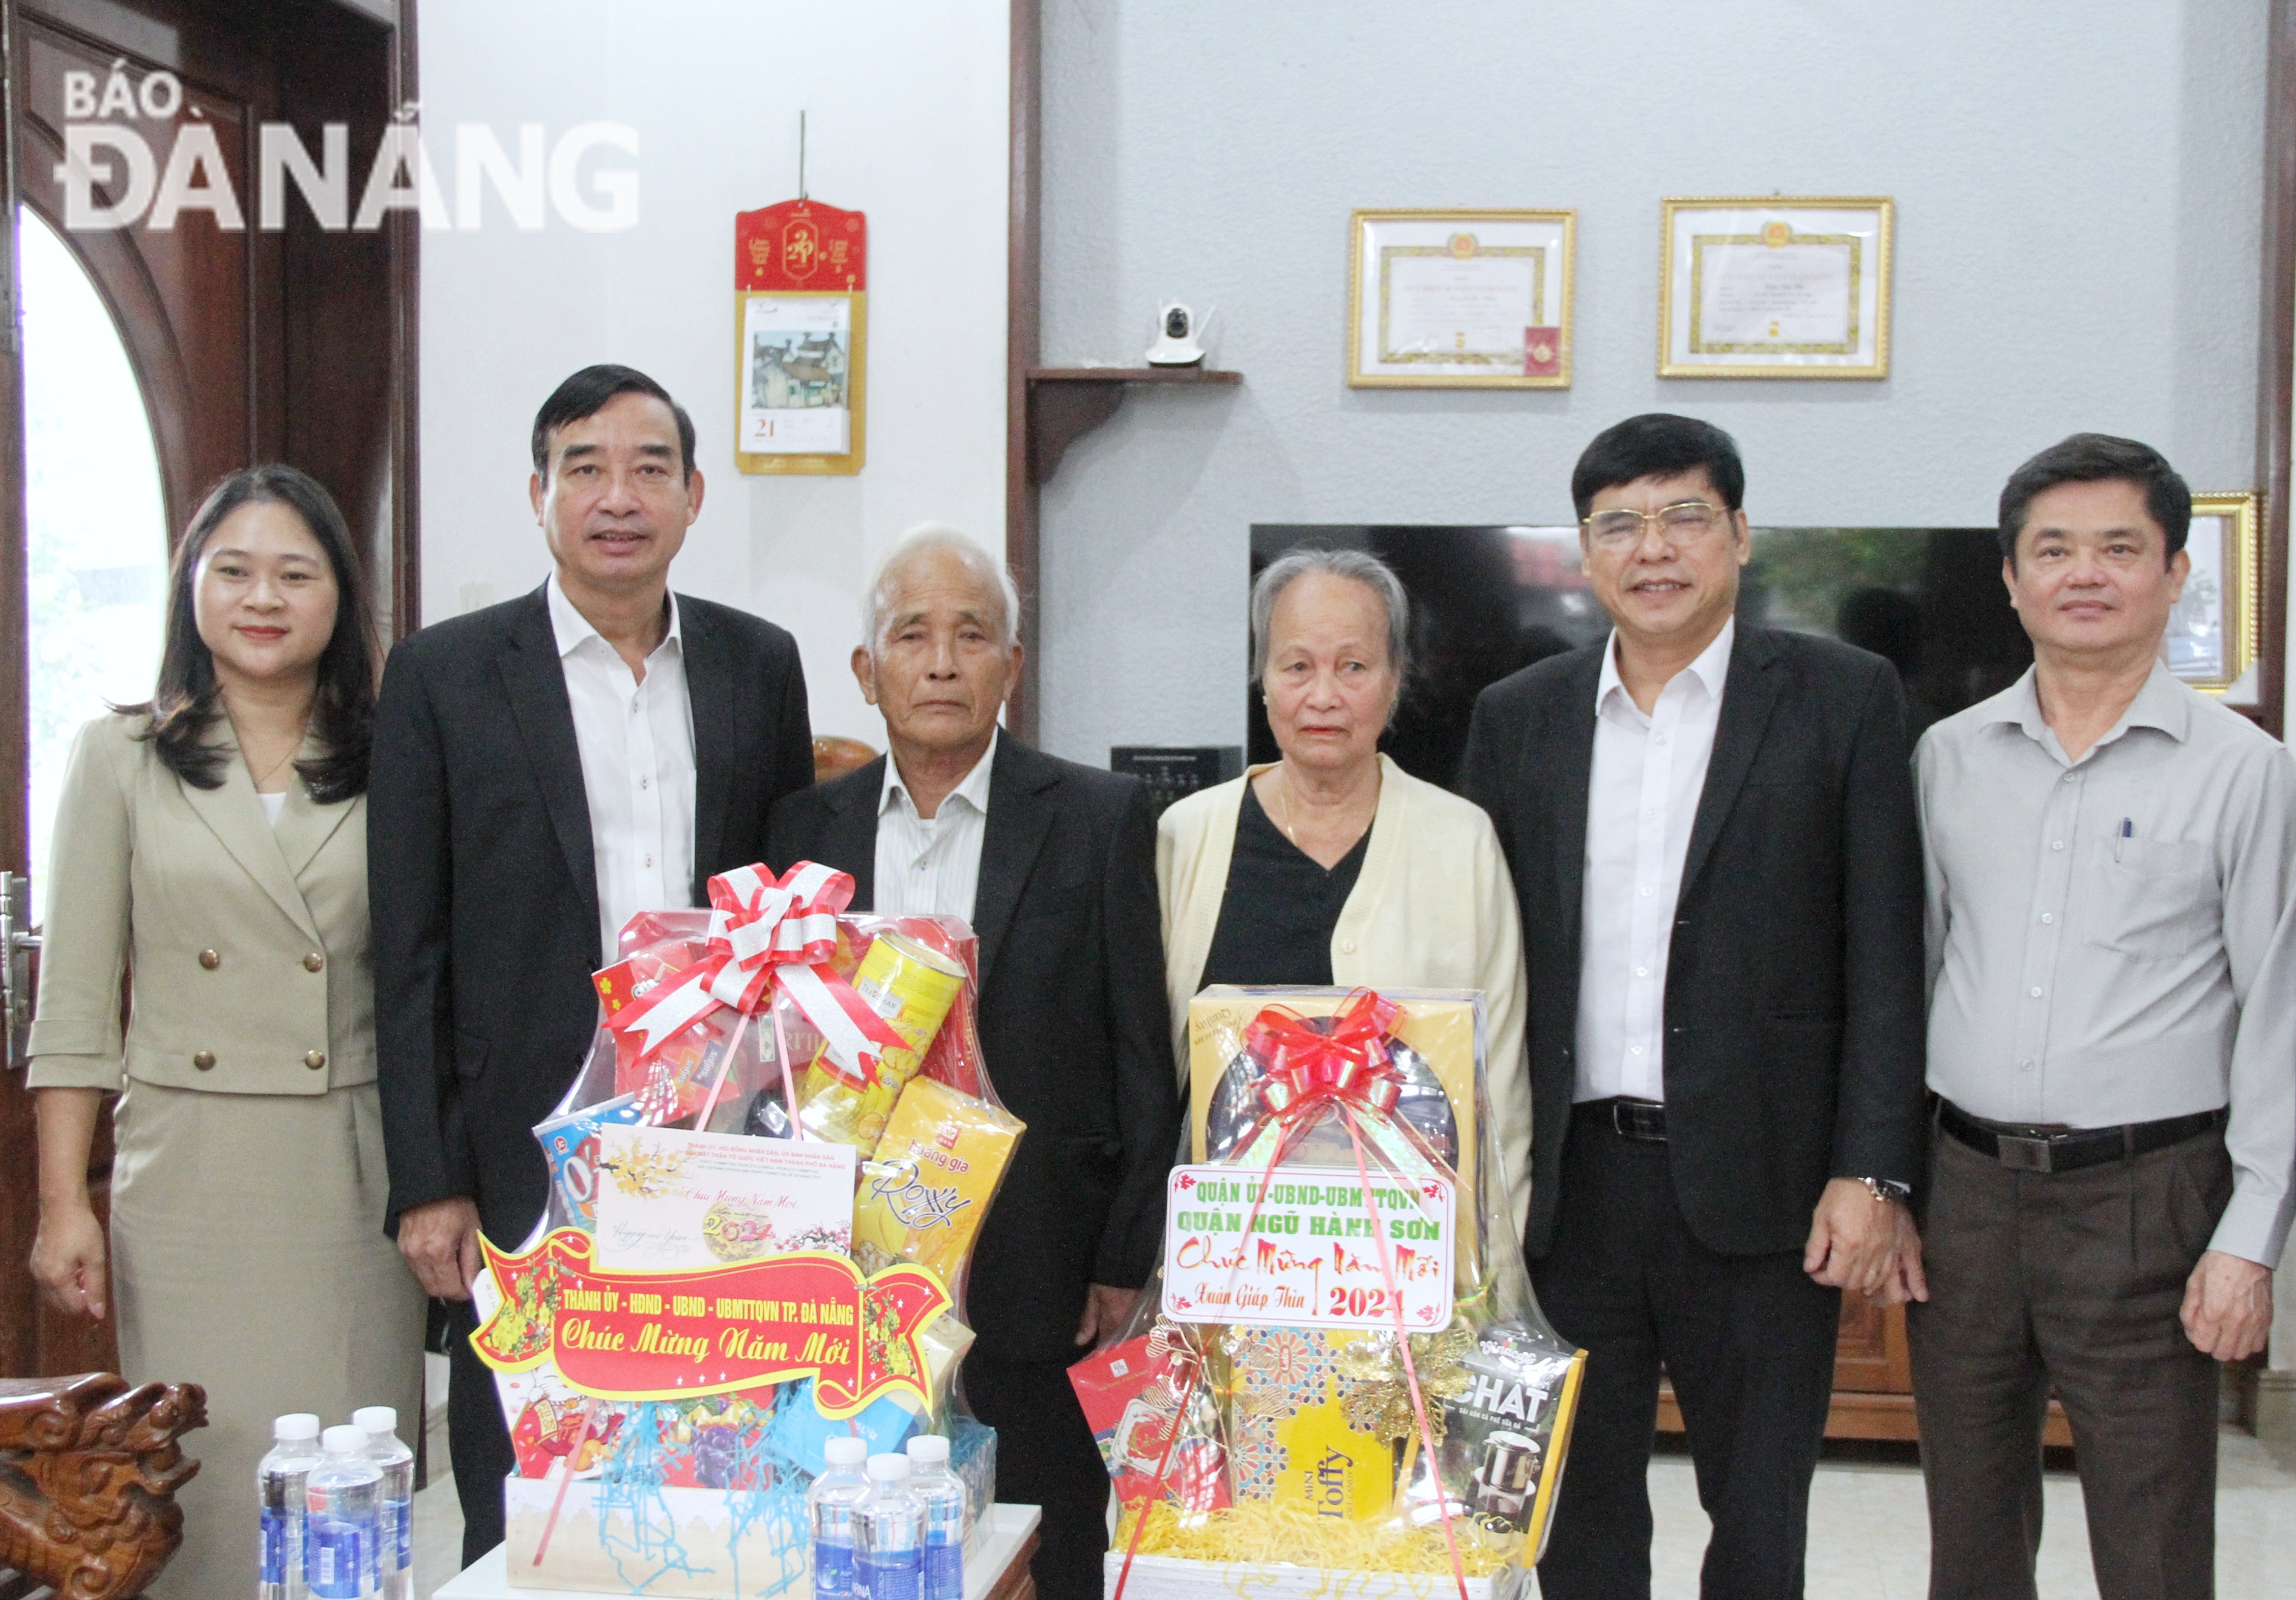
134, 154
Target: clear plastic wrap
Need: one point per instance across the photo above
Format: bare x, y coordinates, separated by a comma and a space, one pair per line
675, 1165
1305, 1391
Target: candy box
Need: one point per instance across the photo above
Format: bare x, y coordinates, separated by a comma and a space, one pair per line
1434, 1048
1131, 1394
1292, 1441
569, 1145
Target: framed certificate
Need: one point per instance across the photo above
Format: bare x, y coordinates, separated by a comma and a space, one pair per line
1460, 299
1775, 288
2213, 629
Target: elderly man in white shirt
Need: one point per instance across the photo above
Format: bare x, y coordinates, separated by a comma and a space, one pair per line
1053, 864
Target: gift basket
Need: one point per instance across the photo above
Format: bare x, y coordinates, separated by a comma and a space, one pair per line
766, 1181
1340, 1382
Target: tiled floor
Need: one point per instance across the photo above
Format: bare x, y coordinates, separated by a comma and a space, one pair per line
1869, 1529
1869, 1539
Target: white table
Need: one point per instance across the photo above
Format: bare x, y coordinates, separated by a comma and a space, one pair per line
1010, 1528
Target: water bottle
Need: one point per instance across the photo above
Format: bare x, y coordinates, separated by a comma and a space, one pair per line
394, 1544
829, 1505
940, 1506
886, 1529
279, 1493
338, 1538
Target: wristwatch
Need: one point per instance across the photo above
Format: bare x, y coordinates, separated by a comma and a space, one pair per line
1884, 1189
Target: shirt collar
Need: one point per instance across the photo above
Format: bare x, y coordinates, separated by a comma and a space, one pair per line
2162, 704
1712, 666
973, 790
572, 629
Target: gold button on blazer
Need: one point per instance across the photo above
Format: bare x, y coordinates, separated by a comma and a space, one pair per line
246, 949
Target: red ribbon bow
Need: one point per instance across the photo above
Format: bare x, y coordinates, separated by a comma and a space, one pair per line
1306, 1066
766, 932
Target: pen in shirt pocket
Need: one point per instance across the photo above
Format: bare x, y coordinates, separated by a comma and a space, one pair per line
2127, 830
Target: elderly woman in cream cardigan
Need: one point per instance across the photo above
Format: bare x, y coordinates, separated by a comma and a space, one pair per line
1333, 866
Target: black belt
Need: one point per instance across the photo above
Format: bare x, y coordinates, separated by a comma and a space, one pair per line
2037, 1150
1643, 1119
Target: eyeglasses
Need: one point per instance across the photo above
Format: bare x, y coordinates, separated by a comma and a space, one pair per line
1683, 523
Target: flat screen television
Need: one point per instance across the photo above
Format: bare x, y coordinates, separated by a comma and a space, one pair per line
1486, 601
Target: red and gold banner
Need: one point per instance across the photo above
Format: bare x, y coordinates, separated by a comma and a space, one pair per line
668, 1335
801, 245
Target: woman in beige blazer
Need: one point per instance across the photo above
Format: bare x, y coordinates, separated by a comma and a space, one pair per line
211, 852
1333, 866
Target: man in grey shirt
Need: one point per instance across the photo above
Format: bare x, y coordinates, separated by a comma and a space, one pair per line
2112, 1043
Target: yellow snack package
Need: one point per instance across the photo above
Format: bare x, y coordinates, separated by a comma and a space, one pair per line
924, 1196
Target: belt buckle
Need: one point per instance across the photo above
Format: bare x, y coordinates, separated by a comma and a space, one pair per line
2024, 1155
1631, 1121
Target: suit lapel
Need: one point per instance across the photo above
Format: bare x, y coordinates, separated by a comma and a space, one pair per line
710, 695
849, 838
236, 816
1749, 694
1563, 769
535, 683
305, 825
1020, 815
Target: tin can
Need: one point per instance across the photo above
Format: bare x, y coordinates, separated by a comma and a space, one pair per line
913, 987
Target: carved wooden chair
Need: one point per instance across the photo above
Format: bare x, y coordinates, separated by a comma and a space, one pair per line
89, 1467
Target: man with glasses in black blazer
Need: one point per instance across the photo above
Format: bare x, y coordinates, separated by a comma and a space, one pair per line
1710, 827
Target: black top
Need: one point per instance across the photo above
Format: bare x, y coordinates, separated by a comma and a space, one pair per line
1280, 906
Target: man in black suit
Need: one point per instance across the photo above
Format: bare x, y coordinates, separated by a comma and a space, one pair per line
544, 770
1712, 834
1053, 864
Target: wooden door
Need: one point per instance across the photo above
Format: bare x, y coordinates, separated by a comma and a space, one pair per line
245, 343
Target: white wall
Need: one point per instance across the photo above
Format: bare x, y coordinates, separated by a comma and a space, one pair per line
907, 121
2078, 247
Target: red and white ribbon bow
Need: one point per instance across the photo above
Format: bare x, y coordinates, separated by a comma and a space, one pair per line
766, 931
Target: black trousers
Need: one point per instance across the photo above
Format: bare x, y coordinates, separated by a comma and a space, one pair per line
478, 1442
1045, 1456
1748, 1342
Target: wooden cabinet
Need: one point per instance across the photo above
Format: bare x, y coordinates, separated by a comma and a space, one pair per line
1873, 1382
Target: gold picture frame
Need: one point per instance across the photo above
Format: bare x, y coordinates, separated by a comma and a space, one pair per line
1433, 295
2215, 629
1775, 286
846, 313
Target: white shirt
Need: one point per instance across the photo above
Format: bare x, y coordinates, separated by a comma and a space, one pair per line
930, 867
636, 741
1641, 800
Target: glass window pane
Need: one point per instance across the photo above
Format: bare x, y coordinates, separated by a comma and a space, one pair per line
94, 518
